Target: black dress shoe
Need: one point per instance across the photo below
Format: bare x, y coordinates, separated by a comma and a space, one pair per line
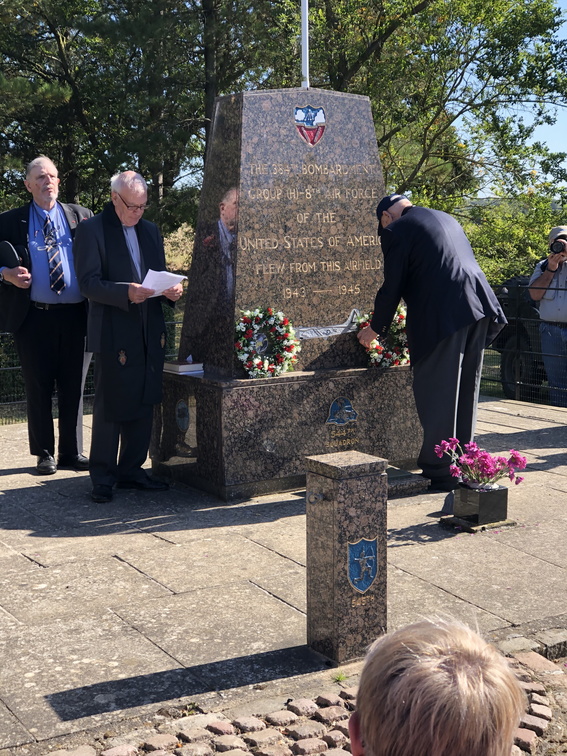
101, 494
46, 465
76, 462
148, 484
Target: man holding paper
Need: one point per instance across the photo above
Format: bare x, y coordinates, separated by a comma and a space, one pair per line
126, 331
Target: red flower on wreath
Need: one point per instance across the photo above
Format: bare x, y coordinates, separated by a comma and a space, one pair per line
271, 332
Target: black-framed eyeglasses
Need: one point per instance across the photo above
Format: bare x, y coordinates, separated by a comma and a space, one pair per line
132, 207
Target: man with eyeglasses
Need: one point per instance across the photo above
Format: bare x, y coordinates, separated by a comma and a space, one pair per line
126, 331
41, 304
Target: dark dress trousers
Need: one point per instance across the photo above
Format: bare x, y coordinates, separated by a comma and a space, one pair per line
452, 315
128, 341
50, 343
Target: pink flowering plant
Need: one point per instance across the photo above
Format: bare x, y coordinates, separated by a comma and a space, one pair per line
476, 466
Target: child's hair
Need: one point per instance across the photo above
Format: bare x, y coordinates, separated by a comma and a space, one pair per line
436, 688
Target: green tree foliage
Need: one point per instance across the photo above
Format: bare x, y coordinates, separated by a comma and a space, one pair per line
102, 85
509, 236
437, 72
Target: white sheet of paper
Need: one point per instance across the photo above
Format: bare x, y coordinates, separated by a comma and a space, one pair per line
160, 280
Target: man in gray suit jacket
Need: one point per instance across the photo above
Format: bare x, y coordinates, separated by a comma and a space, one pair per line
48, 320
126, 331
453, 315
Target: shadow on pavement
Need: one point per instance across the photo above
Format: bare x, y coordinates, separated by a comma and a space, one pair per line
91, 700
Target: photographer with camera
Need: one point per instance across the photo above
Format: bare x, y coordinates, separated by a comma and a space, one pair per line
548, 286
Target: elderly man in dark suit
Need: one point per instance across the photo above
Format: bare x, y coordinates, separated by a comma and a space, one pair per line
126, 331
40, 303
452, 315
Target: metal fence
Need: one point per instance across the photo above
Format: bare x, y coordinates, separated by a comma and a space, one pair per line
513, 366
12, 392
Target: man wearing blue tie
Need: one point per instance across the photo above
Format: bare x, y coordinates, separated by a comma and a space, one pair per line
40, 303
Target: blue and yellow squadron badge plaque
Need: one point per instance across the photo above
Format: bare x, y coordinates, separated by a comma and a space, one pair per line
362, 564
341, 412
310, 124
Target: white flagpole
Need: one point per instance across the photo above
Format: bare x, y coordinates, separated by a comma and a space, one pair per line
305, 44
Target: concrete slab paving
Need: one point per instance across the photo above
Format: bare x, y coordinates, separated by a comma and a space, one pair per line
285, 537
221, 622
12, 732
41, 664
410, 599
36, 594
110, 610
487, 573
208, 562
543, 540
288, 585
80, 546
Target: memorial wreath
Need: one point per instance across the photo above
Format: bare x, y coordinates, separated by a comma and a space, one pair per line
265, 342
395, 351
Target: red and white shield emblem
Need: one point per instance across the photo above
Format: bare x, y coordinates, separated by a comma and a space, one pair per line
310, 124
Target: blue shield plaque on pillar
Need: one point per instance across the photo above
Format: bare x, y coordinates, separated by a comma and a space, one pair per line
362, 563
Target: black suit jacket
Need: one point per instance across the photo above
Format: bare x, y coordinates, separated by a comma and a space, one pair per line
128, 339
15, 302
429, 263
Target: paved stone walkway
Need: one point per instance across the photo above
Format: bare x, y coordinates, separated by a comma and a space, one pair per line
176, 603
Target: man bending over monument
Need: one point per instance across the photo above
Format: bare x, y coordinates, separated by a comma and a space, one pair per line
453, 315
435, 689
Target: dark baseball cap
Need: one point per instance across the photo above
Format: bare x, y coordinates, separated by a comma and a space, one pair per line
385, 204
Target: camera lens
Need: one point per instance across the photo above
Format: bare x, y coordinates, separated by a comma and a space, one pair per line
556, 247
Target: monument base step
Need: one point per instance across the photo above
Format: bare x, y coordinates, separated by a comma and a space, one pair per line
405, 483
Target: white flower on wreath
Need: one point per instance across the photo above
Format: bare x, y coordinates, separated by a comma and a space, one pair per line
394, 352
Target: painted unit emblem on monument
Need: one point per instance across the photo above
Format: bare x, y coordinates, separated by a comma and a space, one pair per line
362, 563
342, 412
310, 124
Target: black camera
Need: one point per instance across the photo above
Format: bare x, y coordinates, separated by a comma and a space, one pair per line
557, 246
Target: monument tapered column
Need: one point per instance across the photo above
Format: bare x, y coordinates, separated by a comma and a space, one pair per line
286, 220
304, 164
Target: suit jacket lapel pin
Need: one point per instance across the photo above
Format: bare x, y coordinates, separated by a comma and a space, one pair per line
122, 357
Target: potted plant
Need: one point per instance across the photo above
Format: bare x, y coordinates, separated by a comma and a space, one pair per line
479, 497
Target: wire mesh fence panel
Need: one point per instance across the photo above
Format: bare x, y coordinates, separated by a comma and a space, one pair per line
12, 390
513, 366
522, 369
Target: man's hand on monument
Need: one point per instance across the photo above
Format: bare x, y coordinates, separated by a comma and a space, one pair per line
366, 336
138, 293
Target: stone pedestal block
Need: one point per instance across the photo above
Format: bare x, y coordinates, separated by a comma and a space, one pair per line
238, 438
346, 553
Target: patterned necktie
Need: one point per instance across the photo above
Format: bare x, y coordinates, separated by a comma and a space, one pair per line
56, 279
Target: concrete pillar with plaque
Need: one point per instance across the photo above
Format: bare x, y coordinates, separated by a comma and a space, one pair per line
346, 506
287, 220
